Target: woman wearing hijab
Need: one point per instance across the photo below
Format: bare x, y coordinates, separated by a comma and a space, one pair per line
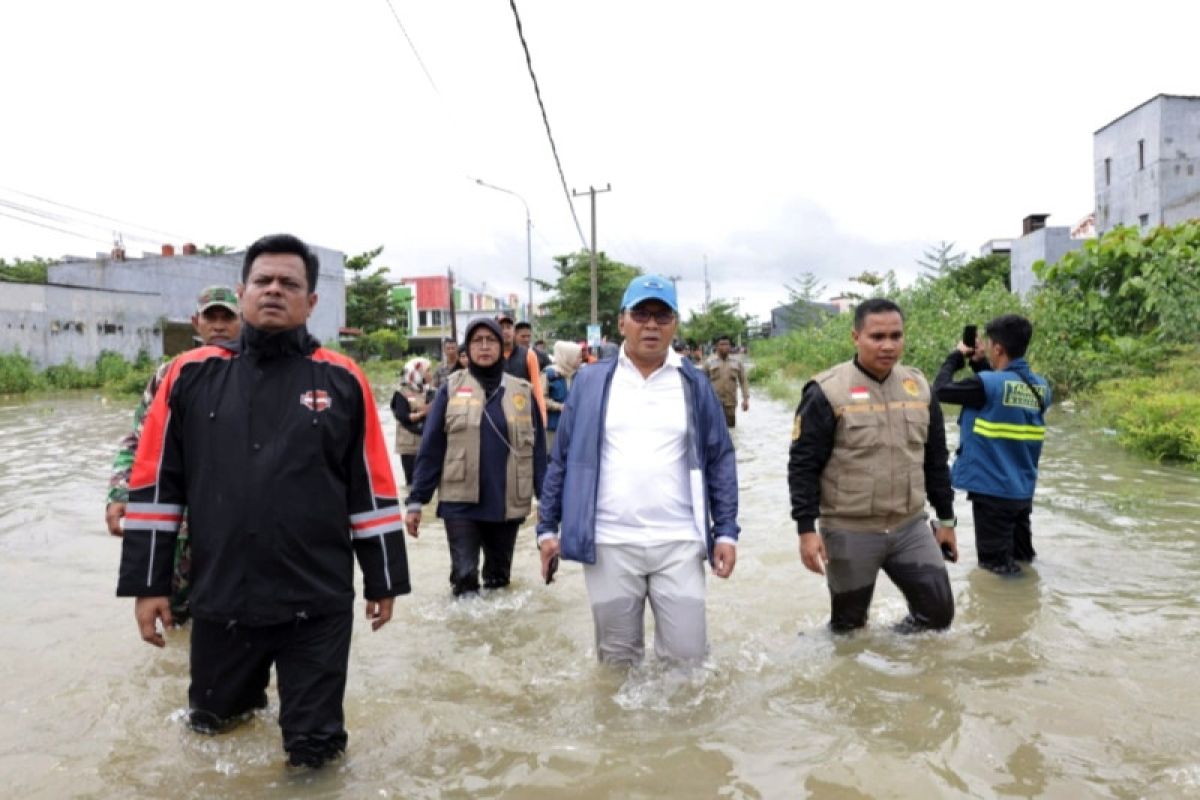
410, 404
484, 450
559, 376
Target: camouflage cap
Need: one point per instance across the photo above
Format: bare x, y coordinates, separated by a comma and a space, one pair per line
221, 296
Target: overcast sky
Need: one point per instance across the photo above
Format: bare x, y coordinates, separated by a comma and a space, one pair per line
768, 138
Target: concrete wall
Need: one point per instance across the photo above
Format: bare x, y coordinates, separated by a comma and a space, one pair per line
56, 324
1166, 189
1179, 191
1046, 244
179, 279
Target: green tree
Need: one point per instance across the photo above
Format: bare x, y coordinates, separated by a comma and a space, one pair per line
804, 295
939, 260
979, 272
215, 250
22, 270
721, 319
567, 312
368, 295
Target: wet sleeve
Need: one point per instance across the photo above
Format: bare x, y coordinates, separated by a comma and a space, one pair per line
968, 392
812, 445
937, 468
157, 498
376, 522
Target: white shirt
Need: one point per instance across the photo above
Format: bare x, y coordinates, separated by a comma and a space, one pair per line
645, 493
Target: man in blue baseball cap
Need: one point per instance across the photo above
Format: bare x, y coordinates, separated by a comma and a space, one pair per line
642, 486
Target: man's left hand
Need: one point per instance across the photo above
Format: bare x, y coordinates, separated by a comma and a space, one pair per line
380, 612
745, 404
724, 557
947, 536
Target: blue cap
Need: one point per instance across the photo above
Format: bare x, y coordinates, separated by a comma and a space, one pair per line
650, 287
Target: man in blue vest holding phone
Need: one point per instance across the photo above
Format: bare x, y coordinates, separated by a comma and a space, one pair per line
1002, 427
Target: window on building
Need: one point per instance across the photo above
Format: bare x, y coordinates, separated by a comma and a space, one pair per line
1107, 171
422, 319
1144, 220
1141, 154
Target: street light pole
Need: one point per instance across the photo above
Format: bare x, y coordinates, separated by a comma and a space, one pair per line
528, 239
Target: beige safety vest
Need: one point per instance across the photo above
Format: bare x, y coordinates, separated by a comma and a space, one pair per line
464, 416
875, 479
407, 442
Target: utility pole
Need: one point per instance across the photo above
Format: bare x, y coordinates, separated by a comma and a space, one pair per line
453, 311
592, 192
707, 285
528, 241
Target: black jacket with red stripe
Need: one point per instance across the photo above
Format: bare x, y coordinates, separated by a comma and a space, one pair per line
274, 447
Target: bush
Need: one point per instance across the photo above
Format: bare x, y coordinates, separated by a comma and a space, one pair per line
112, 368
17, 374
1157, 416
69, 376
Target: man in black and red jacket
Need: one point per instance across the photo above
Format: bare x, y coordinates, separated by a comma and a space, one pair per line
274, 446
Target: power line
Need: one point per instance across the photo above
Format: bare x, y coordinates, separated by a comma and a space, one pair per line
51, 227
67, 220
94, 214
412, 46
546, 120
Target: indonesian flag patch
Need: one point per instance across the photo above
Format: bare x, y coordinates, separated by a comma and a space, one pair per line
860, 394
464, 391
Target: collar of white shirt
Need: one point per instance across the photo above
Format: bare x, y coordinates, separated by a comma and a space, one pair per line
673, 360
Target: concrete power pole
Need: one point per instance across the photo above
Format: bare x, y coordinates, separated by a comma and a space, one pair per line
592, 192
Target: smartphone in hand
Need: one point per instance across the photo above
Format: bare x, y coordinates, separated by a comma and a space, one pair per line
969, 335
551, 568
947, 552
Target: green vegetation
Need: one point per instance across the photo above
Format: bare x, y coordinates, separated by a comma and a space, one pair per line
721, 319
369, 308
111, 373
1116, 323
32, 270
568, 311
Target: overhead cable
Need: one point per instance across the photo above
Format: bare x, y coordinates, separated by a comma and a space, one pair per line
546, 119
126, 223
51, 227
412, 46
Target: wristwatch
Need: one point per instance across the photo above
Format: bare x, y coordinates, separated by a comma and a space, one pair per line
948, 523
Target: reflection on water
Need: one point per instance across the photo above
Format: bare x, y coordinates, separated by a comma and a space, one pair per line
1073, 680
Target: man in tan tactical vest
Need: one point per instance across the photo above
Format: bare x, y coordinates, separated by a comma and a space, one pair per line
727, 375
868, 448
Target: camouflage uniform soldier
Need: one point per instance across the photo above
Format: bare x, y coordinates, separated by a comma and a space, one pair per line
216, 319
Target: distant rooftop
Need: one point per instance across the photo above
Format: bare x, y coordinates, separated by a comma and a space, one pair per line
1148, 102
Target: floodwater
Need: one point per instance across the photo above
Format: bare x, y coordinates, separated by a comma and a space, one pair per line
1075, 680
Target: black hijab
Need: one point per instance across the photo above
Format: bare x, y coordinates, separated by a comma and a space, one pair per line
489, 377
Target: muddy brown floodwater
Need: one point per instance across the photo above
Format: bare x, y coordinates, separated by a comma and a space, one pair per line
1075, 681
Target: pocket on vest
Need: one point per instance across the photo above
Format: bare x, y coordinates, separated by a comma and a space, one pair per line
524, 476
858, 430
454, 469
854, 495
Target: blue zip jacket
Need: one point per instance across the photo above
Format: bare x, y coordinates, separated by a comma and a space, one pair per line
572, 482
1002, 441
